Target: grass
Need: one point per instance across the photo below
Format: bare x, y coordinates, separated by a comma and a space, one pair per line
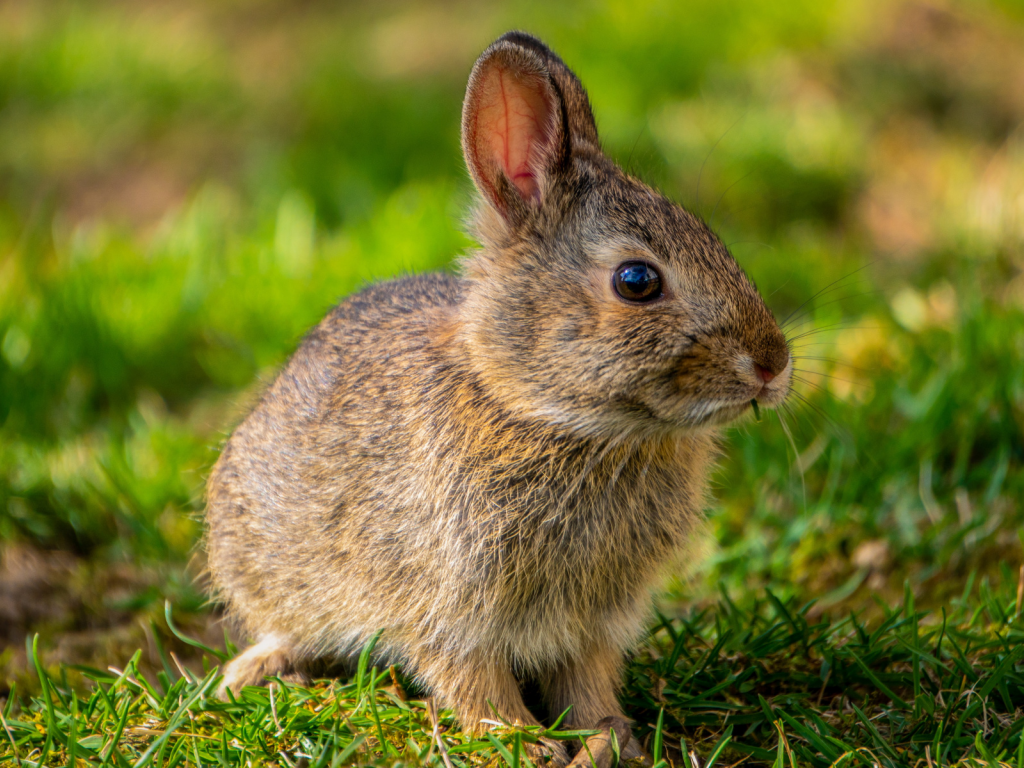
768, 684
186, 188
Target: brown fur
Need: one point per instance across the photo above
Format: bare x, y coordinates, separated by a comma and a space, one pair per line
496, 469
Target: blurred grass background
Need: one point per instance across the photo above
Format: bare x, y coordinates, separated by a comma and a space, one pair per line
187, 187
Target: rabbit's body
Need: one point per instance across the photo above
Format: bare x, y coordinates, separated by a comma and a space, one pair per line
495, 469
455, 530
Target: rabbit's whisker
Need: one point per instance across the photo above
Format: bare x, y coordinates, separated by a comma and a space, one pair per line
823, 290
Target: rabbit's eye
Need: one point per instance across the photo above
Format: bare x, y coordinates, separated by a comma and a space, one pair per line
637, 281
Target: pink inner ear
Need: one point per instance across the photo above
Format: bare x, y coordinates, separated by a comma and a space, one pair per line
512, 126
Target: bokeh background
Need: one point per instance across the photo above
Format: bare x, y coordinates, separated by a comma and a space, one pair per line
186, 187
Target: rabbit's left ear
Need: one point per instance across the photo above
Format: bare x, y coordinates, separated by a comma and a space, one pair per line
517, 129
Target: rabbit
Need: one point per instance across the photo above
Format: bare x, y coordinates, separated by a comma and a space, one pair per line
497, 469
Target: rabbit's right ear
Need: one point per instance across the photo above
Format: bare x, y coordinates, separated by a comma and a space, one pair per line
524, 113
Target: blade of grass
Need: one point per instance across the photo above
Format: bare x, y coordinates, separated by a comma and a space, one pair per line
219, 655
875, 681
385, 746
501, 748
10, 736
719, 748
364, 662
657, 745
875, 735
44, 682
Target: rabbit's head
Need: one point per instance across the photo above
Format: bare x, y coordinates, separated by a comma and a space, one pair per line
595, 302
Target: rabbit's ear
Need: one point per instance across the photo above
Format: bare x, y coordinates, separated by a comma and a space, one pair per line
524, 111
578, 113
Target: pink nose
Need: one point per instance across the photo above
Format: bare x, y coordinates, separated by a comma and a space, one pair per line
763, 373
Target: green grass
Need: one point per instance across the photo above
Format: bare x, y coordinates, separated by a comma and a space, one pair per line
767, 683
186, 188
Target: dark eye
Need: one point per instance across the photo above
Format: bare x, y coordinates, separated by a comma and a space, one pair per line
637, 281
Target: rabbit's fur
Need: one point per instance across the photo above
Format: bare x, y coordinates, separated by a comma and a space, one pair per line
495, 469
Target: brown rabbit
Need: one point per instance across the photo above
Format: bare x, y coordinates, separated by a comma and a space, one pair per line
496, 469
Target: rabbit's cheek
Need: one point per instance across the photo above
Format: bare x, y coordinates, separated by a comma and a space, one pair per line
704, 414
727, 414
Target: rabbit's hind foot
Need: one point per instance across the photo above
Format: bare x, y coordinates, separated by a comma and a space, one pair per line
547, 753
272, 656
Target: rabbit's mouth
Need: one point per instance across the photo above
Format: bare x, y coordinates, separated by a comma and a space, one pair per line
772, 394
767, 390
721, 413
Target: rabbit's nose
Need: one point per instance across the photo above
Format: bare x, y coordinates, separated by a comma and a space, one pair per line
763, 373
770, 363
